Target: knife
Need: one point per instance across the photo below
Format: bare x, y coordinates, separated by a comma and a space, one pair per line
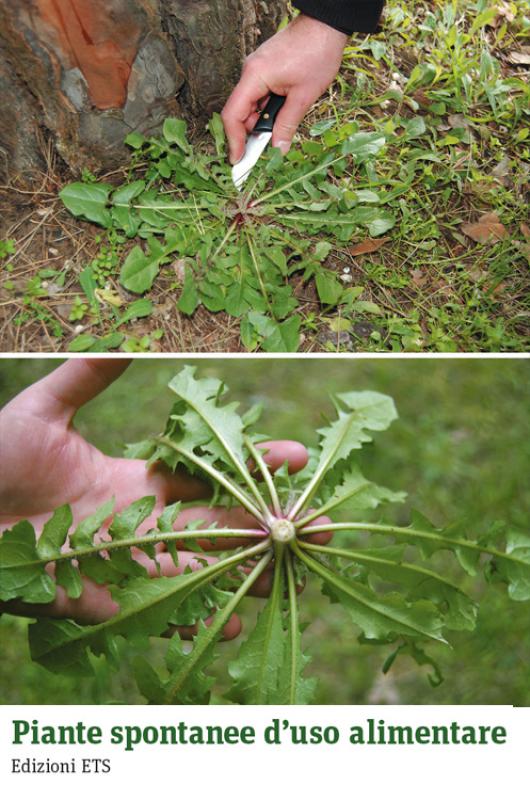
257, 140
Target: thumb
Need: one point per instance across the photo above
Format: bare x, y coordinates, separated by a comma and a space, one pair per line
70, 386
294, 110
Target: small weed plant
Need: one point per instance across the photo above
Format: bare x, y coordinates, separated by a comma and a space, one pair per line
389, 579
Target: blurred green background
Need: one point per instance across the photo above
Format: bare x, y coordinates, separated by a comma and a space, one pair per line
461, 449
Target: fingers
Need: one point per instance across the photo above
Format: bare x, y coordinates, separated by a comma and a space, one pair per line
187, 632
193, 561
164, 564
196, 561
236, 518
320, 538
240, 106
70, 386
297, 104
232, 628
251, 122
95, 605
180, 486
278, 452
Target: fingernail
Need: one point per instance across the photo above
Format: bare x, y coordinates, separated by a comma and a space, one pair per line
284, 146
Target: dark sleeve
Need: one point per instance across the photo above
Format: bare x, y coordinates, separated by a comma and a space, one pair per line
347, 16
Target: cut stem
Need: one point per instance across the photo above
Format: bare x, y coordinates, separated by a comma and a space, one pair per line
240, 466
183, 588
330, 505
267, 477
293, 627
214, 630
234, 490
411, 533
229, 233
361, 558
148, 539
258, 273
373, 604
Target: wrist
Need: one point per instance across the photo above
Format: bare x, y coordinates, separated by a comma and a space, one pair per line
319, 30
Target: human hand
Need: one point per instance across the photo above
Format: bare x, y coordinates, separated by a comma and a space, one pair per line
299, 63
46, 463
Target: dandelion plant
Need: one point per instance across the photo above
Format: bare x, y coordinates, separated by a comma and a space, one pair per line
234, 251
384, 576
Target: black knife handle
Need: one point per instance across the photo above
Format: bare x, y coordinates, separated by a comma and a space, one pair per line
265, 123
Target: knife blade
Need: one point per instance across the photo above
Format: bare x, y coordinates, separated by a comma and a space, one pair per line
257, 140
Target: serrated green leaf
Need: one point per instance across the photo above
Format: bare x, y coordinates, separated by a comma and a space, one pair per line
84, 533
22, 574
174, 131
515, 570
356, 493
194, 685
459, 611
256, 671
380, 617
126, 523
68, 576
145, 607
217, 129
54, 533
223, 422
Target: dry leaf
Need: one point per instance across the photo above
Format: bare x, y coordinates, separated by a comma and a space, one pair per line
522, 58
421, 98
525, 230
180, 269
457, 121
418, 276
368, 246
502, 169
487, 227
109, 297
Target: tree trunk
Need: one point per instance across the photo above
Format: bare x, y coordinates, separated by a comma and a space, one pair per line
85, 73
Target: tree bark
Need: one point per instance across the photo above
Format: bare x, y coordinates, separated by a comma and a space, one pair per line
85, 73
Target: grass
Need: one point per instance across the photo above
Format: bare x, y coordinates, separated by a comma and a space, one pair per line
445, 84
461, 449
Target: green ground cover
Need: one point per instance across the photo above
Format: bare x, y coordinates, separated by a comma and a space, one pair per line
436, 262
